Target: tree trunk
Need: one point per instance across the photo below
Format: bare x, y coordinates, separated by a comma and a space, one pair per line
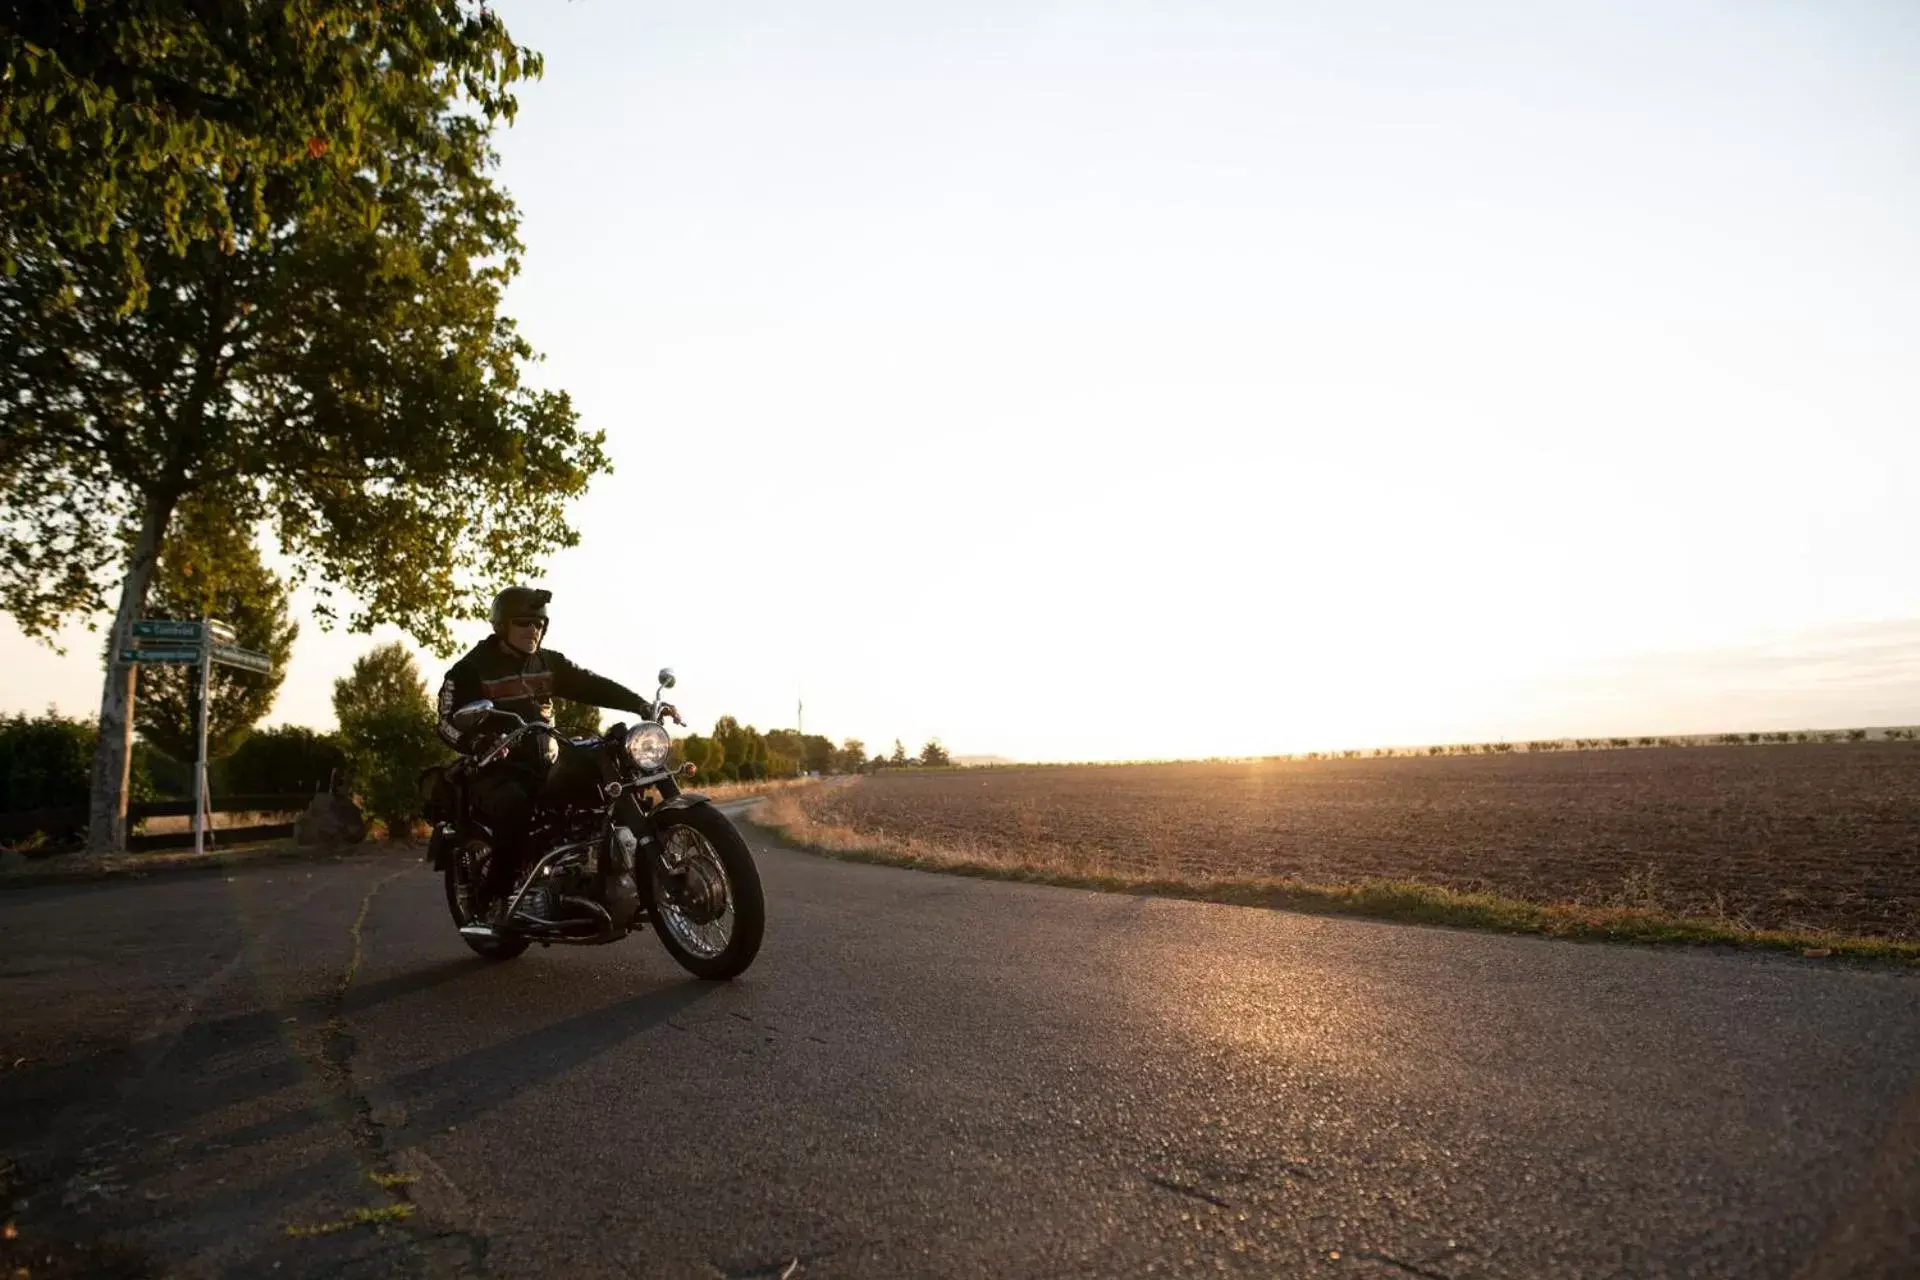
113, 750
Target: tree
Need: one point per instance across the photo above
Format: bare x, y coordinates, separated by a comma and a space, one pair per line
116, 110
210, 568
576, 719
334, 364
933, 754
387, 731
899, 756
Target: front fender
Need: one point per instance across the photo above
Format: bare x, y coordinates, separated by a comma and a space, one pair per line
685, 800
641, 821
440, 846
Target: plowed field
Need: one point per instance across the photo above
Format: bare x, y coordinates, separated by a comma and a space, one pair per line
1784, 836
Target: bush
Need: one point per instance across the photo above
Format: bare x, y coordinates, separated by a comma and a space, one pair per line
281, 761
171, 778
46, 762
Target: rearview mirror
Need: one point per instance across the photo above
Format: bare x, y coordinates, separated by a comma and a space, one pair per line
666, 677
471, 715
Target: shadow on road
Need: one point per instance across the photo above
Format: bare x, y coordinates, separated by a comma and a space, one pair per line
191, 1071
280, 1092
451, 1091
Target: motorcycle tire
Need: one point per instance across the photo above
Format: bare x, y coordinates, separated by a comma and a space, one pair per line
744, 895
491, 948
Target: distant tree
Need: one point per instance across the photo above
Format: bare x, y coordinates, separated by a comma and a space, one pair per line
899, 756
210, 568
1856, 735
387, 730
576, 719
851, 757
933, 754
755, 757
731, 740
703, 754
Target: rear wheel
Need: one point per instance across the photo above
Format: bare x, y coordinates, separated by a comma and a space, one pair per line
705, 891
464, 870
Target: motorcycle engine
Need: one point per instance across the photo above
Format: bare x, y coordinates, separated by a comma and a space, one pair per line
576, 873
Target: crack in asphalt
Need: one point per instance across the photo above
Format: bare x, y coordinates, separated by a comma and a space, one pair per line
1186, 1190
337, 1048
783, 1269
1412, 1269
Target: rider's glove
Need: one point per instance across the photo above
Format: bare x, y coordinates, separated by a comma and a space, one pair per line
664, 711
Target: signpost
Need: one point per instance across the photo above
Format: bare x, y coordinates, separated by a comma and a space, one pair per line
177, 643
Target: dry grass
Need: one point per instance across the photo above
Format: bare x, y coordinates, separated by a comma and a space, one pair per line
722, 791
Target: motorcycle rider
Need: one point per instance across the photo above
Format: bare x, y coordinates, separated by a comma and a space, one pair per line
511, 668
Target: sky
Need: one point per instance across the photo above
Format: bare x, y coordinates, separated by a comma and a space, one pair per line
1133, 381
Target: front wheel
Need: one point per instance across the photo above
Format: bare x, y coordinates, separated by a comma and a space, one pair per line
464, 870
706, 896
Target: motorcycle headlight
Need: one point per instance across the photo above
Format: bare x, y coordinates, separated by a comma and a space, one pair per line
648, 746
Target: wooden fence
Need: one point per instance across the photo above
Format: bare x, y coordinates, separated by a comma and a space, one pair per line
64, 829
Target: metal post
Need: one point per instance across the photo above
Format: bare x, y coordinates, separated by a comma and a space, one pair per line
200, 805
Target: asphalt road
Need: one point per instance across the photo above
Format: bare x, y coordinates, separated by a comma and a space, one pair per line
930, 1076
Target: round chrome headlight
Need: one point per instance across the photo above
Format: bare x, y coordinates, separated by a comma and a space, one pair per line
648, 746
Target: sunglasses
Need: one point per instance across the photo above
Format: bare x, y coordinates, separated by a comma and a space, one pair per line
527, 622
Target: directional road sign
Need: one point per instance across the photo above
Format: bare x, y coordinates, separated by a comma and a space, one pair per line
162, 629
234, 656
161, 655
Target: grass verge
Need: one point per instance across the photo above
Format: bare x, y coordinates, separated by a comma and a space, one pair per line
1406, 901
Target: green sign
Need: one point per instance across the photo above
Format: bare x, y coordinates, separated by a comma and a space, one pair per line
248, 659
150, 656
162, 629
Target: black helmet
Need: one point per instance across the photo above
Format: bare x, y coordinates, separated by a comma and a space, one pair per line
520, 602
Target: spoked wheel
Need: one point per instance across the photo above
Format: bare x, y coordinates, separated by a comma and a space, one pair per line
464, 871
706, 893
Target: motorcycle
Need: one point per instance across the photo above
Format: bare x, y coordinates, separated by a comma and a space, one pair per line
619, 845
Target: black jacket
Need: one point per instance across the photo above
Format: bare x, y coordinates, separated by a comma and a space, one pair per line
525, 686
